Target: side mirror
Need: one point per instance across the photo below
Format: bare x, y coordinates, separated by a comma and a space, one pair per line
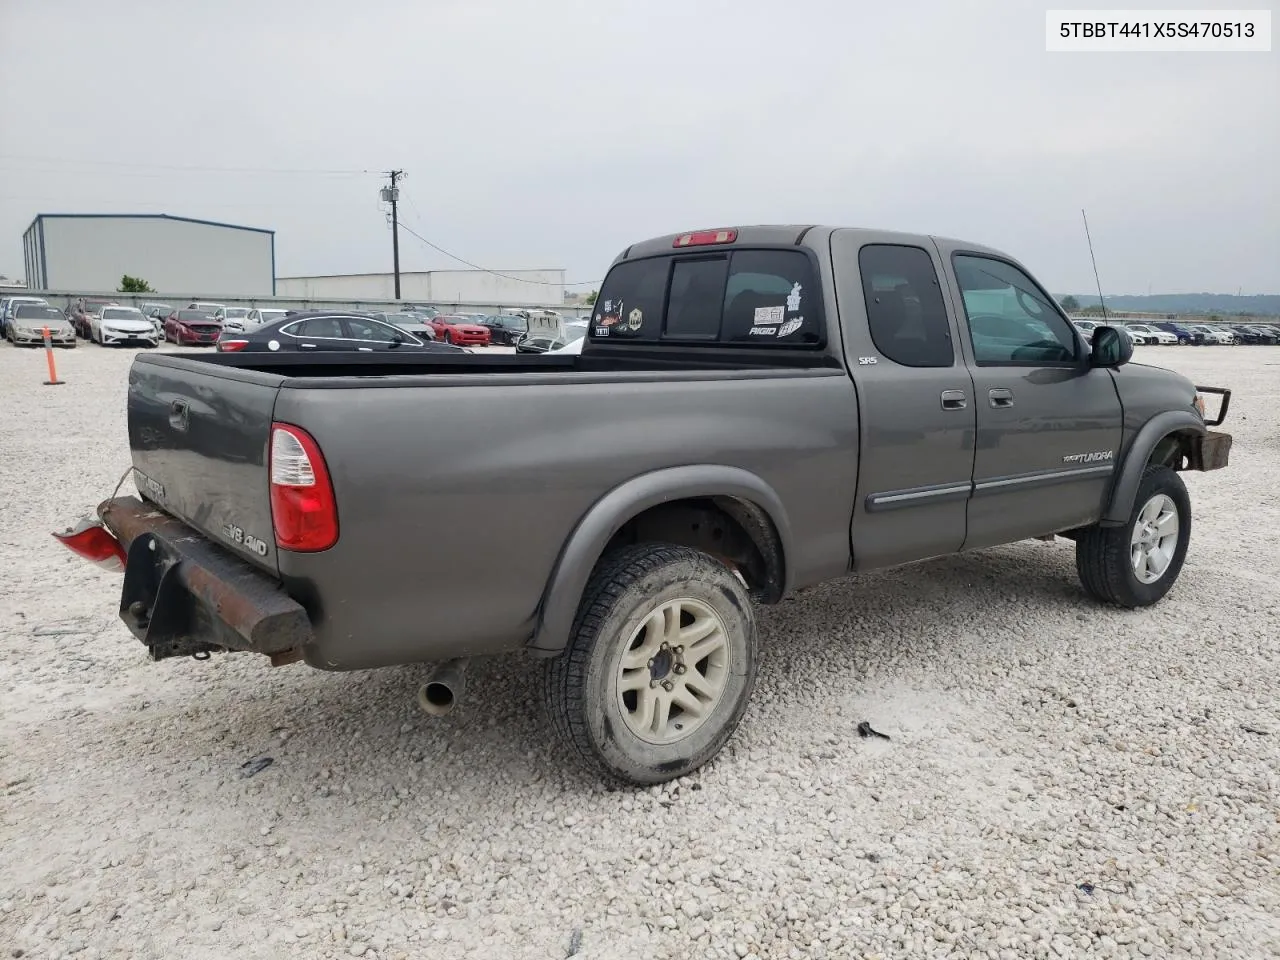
396, 340
1111, 347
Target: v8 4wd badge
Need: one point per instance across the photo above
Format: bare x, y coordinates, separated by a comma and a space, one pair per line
236, 535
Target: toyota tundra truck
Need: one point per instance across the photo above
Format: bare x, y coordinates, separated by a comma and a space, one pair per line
755, 410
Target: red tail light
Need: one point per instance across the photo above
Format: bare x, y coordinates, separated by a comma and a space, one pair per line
231, 346
91, 540
304, 512
702, 238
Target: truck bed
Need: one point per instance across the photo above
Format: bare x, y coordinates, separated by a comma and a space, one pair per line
459, 480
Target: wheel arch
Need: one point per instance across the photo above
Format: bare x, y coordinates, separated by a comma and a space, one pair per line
1166, 439
725, 511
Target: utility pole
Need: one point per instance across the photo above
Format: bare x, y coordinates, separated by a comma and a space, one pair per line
392, 195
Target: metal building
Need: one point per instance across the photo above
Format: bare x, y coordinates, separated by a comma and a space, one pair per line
89, 253
498, 287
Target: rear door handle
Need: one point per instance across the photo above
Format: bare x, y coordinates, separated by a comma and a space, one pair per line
306, 346
1000, 397
954, 400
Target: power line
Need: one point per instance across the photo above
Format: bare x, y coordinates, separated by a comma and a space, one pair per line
475, 266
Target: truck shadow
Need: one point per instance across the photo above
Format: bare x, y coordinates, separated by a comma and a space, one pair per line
366, 726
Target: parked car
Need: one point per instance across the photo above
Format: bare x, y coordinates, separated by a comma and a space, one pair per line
9, 304
1214, 334
261, 316
120, 326
155, 312
83, 311
1254, 334
28, 321
192, 327
574, 330
1146, 333
725, 439
323, 332
1244, 335
1086, 327
206, 306
505, 330
232, 318
1185, 335
454, 329
414, 323
420, 308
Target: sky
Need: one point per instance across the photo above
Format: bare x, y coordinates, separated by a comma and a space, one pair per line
555, 134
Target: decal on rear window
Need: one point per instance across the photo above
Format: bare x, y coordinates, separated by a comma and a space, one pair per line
793, 299
769, 315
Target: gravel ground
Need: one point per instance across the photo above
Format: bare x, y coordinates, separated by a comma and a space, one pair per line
1062, 779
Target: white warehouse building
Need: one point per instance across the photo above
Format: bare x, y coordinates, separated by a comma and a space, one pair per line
89, 253
524, 288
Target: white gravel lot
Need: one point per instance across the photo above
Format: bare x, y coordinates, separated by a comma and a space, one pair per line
1062, 779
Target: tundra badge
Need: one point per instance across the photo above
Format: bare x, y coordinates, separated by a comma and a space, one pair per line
1100, 455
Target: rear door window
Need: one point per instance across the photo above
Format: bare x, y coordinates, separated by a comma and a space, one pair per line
906, 314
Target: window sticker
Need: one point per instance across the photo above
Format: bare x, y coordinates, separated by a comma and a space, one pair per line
793, 299
768, 315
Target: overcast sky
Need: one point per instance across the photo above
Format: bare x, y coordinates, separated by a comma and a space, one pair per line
554, 133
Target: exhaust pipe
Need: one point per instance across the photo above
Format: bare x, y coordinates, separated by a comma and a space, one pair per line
443, 688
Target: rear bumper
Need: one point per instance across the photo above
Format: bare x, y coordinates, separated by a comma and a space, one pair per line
184, 595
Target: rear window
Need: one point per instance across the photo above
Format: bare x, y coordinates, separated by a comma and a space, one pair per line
742, 297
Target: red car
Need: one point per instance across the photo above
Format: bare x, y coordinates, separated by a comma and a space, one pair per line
459, 331
191, 327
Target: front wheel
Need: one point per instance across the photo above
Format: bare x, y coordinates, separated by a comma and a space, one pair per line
659, 665
1137, 564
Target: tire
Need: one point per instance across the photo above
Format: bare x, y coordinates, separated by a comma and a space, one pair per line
631, 596
1105, 556
448, 337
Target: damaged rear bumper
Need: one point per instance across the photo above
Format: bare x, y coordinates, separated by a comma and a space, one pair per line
184, 595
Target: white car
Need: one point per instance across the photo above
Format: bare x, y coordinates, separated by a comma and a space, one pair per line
259, 316
113, 326
207, 306
234, 319
1150, 334
1086, 327
575, 332
1214, 335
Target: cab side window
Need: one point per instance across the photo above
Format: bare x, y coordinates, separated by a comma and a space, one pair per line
1011, 321
906, 314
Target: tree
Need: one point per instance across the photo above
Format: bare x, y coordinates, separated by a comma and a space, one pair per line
590, 298
130, 284
1069, 304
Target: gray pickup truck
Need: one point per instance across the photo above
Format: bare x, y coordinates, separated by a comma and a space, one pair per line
754, 411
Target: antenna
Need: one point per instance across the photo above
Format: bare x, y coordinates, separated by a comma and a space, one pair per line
1102, 301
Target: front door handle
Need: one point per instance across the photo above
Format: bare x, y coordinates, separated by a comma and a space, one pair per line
954, 400
1000, 397
306, 346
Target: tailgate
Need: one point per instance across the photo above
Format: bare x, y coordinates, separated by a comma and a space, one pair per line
198, 433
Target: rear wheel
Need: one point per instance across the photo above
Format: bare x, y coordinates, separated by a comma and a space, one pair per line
659, 665
1137, 564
